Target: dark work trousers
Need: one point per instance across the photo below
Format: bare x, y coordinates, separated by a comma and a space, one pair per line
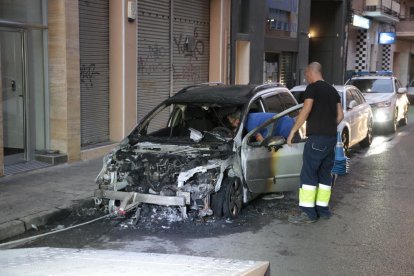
316, 177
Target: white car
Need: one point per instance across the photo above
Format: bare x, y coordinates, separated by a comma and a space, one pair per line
410, 92
357, 125
387, 97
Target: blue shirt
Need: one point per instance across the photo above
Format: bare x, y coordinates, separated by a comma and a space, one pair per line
283, 126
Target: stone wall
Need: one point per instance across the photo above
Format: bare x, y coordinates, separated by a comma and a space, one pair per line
64, 81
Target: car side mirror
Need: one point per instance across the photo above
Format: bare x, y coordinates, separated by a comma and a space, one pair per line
352, 104
402, 90
273, 142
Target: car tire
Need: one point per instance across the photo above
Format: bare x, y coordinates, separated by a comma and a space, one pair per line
217, 200
404, 120
228, 201
233, 200
368, 139
392, 128
345, 140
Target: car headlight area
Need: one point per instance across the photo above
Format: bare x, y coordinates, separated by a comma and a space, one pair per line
382, 115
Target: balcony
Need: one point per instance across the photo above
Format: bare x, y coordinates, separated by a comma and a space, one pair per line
387, 11
405, 28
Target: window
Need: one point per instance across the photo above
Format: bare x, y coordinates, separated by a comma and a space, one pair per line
274, 104
397, 84
287, 100
356, 97
349, 97
373, 85
256, 106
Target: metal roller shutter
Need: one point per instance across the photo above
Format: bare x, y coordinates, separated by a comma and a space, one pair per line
191, 42
287, 69
189, 38
94, 70
153, 54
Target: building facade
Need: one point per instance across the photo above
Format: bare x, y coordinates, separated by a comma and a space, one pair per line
372, 43
77, 76
404, 46
269, 41
328, 37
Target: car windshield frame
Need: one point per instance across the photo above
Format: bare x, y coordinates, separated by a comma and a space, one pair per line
163, 129
372, 85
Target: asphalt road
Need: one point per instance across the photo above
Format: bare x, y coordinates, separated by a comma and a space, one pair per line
370, 233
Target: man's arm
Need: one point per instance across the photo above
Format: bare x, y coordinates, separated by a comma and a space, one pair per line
340, 113
300, 120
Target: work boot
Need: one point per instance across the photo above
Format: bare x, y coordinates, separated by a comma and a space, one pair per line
324, 216
300, 219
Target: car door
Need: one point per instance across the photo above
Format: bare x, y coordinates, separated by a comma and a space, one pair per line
350, 116
357, 114
274, 169
362, 116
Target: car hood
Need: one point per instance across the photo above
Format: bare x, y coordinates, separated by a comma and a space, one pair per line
165, 169
372, 98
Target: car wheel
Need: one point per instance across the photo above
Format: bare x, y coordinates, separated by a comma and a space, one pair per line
393, 125
345, 140
368, 139
404, 121
228, 200
217, 200
233, 200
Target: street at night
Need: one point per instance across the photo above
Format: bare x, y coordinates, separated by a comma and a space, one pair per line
370, 232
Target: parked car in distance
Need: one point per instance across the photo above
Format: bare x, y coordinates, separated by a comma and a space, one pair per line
357, 125
410, 91
183, 154
387, 97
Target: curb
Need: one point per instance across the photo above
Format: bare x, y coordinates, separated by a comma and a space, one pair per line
20, 226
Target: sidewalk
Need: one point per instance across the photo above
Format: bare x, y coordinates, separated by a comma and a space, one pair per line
34, 197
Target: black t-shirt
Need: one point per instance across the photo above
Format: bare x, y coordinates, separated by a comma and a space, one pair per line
322, 118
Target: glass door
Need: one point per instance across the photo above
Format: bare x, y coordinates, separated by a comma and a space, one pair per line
12, 56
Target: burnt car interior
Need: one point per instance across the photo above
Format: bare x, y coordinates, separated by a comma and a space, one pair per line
202, 117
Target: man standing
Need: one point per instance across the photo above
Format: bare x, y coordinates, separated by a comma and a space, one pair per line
323, 111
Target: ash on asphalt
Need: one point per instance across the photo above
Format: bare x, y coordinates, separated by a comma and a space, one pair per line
158, 221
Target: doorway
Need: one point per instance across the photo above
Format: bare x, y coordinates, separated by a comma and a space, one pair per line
13, 74
271, 68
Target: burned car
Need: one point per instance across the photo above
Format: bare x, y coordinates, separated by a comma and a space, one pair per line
184, 154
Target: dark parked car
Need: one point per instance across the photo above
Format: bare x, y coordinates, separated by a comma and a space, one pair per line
184, 154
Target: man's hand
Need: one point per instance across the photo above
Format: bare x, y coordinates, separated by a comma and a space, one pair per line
300, 120
289, 139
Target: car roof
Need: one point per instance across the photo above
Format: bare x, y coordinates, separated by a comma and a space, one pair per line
218, 94
299, 88
372, 77
339, 88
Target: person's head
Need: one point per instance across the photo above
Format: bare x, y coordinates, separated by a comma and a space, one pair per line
234, 119
313, 72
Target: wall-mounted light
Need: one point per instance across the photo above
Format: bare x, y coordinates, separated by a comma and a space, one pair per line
132, 11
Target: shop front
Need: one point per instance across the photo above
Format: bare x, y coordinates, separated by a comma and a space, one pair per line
23, 35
